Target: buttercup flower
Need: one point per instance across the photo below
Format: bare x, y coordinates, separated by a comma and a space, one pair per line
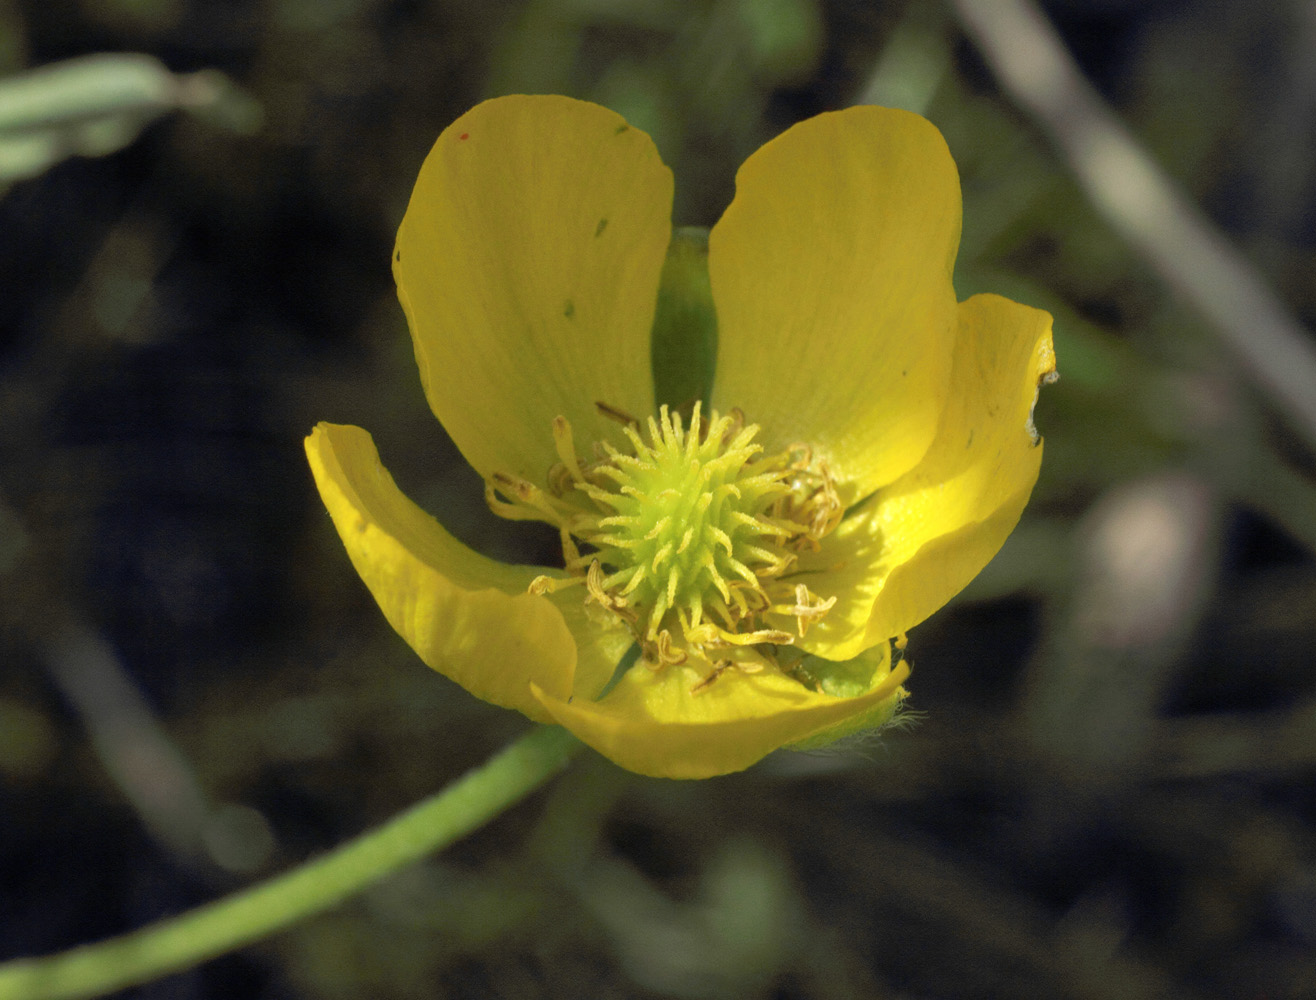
747, 555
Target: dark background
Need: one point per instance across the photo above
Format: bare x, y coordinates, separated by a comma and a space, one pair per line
1109, 792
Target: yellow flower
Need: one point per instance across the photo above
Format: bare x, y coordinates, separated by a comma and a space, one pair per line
864, 449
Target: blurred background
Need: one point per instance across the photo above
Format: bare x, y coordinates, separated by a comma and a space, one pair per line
1109, 792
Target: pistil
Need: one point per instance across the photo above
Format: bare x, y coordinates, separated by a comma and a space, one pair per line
689, 536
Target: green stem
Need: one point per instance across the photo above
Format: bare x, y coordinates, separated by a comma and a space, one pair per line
208, 931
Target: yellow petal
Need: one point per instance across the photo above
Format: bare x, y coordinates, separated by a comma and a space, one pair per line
831, 273
528, 265
917, 543
653, 724
465, 615
600, 642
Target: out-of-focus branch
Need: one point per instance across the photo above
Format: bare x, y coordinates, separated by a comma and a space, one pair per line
1143, 204
97, 104
128, 739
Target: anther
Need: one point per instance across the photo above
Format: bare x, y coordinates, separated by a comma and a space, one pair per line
665, 652
807, 609
551, 584
565, 444
719, 668
615, 413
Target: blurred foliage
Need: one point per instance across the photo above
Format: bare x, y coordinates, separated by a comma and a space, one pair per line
1110, 791
96, 105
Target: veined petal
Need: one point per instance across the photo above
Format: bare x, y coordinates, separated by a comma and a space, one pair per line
919, 541
831, 273
528, 265
653, 724
466, 616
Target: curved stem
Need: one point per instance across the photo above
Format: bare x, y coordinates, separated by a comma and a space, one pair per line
208, 931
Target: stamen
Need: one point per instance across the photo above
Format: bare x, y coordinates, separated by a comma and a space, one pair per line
807, 609
687, 528
770, 635
724, 612
666, 653
745, 666
527, 493
569, 550
737, 597
719, 668
614, 413
552, 584
612, 602
566, 448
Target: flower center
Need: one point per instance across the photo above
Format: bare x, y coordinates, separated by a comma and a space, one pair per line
689, 536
